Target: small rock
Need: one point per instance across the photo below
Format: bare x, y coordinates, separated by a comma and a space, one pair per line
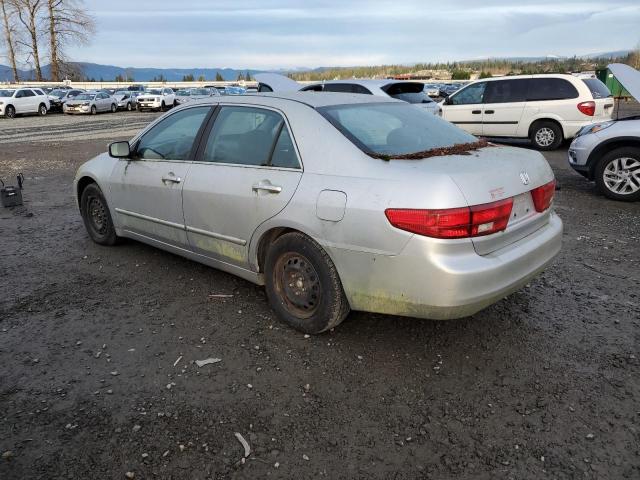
590, 436
136, 428
165, 453
181, 448
130, 475
305, 457
115, 373
7, 455
145, 455
276, 465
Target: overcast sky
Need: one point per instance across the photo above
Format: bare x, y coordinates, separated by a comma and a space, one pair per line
267, 34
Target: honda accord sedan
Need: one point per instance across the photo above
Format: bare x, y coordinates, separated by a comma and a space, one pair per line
333, 202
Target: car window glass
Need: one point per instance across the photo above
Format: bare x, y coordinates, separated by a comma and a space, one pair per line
264, 88
346, 88
471, 95
173, 137
597, 88
284, 154
550, 89
312, 88
243, 136
505, 91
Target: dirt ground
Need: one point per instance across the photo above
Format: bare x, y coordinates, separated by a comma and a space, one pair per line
97, 351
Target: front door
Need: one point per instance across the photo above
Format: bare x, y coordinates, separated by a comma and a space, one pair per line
147, 189
503, 107
464, 108
246, 173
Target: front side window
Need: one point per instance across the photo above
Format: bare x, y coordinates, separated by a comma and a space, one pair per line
173, 137
471, 95
506, 91
262, 87
250, 136
394, 129
550, 89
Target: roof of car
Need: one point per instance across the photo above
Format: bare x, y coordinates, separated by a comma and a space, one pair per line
312, 99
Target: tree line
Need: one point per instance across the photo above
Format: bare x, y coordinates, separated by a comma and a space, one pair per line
37, 30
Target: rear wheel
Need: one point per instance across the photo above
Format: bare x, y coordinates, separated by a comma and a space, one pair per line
617, 174
96, 216
10, 112
94, 110
42, 110
546, 135
303, 285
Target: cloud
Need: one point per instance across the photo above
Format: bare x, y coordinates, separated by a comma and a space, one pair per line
286, 33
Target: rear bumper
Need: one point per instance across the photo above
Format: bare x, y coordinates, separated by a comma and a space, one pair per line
444, 281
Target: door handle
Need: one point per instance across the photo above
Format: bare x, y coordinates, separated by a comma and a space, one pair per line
266, 187
171, 177
476, 112
489, 112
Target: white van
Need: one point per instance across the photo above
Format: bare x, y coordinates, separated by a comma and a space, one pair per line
545, 108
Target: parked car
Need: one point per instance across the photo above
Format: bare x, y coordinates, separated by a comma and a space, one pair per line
547, 109
410, 92
126, 100
156, 99
609, 152
189, 94
231, 90
59, 97
333, 202
432, 90
18, 101
91, 103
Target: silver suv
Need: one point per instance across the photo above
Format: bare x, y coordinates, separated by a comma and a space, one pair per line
609, 152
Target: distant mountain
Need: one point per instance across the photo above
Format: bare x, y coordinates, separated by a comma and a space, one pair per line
94, 71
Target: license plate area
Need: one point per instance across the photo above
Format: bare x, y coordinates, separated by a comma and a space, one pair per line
523, 208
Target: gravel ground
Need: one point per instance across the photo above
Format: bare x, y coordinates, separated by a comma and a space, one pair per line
97, 351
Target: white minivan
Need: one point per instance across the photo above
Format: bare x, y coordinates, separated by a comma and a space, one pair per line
544, 108
23, 100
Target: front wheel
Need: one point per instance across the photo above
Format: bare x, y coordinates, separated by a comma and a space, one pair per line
113, 108
96, 216
617, 174
94, 110
162, 107
129, 107
546, 135
303, 286
42, 110
10, 112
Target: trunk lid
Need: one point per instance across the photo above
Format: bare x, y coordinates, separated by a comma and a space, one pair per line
497, 173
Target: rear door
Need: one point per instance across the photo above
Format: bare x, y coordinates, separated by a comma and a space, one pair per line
246, 172
503, 107
146, 192
464, 108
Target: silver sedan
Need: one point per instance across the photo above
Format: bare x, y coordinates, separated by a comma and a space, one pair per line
333, 202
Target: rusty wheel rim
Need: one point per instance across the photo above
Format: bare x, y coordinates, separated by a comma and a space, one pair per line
297, 284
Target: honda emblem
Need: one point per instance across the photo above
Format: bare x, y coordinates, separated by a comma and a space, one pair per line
524, 176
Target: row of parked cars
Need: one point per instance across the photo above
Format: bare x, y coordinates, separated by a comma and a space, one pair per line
41, 100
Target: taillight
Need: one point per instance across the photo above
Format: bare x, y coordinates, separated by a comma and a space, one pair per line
465, 222
543, 196
588, 108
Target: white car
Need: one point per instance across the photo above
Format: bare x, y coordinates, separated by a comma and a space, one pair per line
544, 108
410, 92
157, 99
23, 100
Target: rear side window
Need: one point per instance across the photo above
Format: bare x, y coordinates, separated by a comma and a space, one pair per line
597, 88
505, 91
264, 88
394, 128
250, 136
312, 88
550, 89
346, 88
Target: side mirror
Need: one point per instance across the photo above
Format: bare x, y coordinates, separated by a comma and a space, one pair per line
120, 150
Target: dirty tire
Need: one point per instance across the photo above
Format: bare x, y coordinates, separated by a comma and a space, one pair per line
114, 108
129, 107
42, 110
295, 261
94, 110
614, 160
162, 107
10, 112
96, 216
546, 135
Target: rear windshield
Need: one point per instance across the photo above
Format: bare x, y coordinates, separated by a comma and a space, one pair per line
85, 96
409, 92
598, 89
392, 129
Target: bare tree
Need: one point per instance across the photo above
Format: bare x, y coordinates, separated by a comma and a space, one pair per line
9, 33
68, 23
29, 12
